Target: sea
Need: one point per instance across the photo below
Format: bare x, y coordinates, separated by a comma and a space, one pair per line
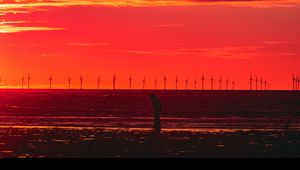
33, 116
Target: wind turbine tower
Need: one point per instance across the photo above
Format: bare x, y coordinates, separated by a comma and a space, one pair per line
176, 83
23, 81
81, 82
114, 82
130, 82
144, 83
212, 82
28, 80
50, 81
165, 83
202, 79
99, 82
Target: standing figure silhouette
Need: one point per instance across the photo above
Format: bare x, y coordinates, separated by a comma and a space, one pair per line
157, 108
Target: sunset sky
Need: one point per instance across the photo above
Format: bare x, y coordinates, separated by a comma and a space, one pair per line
151, 38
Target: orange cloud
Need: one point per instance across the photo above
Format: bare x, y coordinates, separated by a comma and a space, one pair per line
12, 27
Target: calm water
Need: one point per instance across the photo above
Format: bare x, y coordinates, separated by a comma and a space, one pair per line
182, 110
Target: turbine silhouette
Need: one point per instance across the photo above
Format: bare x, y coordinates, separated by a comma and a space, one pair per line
155, 83
256, 83
28, 80
130, 82
202, 79
212, 82
176, 83
81, 82
220, 83
227, 84
23, 81
114, 81
251, 79
186, 84
165, 83
69, 81
144, 83
50, 81
99, 82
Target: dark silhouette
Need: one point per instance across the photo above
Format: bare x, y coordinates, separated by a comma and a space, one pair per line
212, 82
251, 79
293, 82
144, 82
261, 84
186, 84
165, 83
256, 83
50, 81
130, 82
297, 83
233, 84
69, 83
220, 83
265, 85
155, 83
28, 80
157, 108
99, 81
176, 80
227, 84
195, 84
23, 81
202, 78
81, 82
114, 82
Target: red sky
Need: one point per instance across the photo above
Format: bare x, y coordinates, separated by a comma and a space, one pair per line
186, 38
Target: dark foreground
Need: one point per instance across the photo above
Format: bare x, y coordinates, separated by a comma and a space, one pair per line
62, 143
91, 123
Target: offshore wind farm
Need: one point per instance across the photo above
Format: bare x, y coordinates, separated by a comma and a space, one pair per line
149, 78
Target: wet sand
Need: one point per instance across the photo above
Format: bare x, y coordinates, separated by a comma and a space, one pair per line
102, 143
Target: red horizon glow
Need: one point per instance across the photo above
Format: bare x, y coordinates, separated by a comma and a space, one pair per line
183, 38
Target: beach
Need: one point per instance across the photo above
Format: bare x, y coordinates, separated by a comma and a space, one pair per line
96, 124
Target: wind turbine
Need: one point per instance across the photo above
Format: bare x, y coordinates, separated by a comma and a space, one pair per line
233, 84
28, 80
212, 82
256, 83
202, 79
220, 83
165, 83
176, 81
144, 83
155, 83
261, 84
81, 82
23, 81
114, 81
294, 80
186, 84
50, 81
195, 84
130, 82
251, 79
297, 83
265, 85
69, 81
227, 84
99, 82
